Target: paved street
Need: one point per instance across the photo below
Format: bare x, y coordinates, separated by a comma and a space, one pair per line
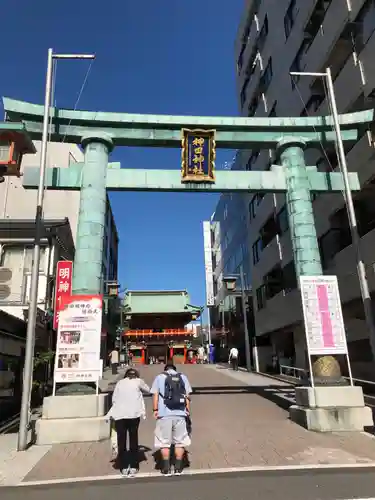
332, 485
239, 420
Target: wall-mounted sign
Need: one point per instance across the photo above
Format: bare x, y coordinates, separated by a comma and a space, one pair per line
198, 156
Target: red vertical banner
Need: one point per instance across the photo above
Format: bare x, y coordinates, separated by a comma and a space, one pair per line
63, 287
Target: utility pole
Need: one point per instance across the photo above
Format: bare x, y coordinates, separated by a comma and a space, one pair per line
33, 306
245, 324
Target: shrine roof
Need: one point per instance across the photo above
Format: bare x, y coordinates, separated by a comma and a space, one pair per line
159, 302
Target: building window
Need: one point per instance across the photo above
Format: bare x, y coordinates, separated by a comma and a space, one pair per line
315, 22
313, 104
14, 256
254, 203
273, 111
261, 297
290, 18
289, 277
268, 231
263, 34
253, 158
298, 65
257, 250
253, 106
267, 76
283, 221
243, 91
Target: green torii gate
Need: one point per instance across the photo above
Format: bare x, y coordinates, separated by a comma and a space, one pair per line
100, 132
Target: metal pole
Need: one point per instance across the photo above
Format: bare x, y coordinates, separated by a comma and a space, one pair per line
121, 333
31, 320
246, 329
365, 292
209, 325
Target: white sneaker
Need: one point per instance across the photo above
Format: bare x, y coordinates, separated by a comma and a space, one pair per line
125, 472
132, 472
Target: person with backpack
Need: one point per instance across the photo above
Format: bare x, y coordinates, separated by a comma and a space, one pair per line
171, 408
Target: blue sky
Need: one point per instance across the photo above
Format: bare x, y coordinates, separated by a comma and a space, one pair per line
167, 57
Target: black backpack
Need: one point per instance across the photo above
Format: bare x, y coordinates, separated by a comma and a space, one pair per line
174, 392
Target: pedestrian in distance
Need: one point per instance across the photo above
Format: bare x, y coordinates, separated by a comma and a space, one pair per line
171, 409
114, 359
128, 407
233, 358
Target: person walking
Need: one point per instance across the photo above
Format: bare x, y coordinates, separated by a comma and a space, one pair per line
114, 360
201, 352
171, 408
127, 409
233, 358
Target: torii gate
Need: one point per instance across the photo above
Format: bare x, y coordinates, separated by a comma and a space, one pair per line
100, 132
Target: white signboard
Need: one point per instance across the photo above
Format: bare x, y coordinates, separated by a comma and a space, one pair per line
78, 340
324, 324
210, 297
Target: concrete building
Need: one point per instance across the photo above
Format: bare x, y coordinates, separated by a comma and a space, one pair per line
274, 39
17, 231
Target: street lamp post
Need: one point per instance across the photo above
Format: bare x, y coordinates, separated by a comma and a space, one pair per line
361, 270
230, 283
31, 320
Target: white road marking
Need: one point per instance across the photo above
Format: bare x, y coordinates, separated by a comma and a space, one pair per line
197, 472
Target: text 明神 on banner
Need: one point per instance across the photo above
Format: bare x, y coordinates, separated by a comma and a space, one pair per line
63, 287
79, 339
324, 324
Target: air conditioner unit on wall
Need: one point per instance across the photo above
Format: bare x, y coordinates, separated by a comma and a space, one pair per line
5, 283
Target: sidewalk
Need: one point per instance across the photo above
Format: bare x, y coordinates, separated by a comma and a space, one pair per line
15, 466
240, 420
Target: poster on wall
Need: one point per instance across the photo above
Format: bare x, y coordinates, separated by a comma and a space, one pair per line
322, 312
210, 297
79, 339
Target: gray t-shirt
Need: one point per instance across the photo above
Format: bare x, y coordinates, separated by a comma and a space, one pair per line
127, 399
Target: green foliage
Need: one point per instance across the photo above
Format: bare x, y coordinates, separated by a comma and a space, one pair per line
43, 358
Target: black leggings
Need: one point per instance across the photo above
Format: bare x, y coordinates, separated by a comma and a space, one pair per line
123, 427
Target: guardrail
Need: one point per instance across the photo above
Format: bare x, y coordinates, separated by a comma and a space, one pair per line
292, 372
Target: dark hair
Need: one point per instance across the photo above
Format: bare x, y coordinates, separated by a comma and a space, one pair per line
169, 366
131, 373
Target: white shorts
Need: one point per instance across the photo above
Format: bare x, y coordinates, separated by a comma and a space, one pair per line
171, 430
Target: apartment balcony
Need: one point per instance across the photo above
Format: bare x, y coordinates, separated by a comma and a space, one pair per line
247, 54
336, 17
348, 87
344, 266
282, 310
361, 158
368, 63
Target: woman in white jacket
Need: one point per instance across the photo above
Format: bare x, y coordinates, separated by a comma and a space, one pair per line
128, 407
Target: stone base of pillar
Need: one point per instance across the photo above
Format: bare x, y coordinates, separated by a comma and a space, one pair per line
331, 409
73, 419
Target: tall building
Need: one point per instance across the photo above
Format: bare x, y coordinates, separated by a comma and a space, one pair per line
274, 39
